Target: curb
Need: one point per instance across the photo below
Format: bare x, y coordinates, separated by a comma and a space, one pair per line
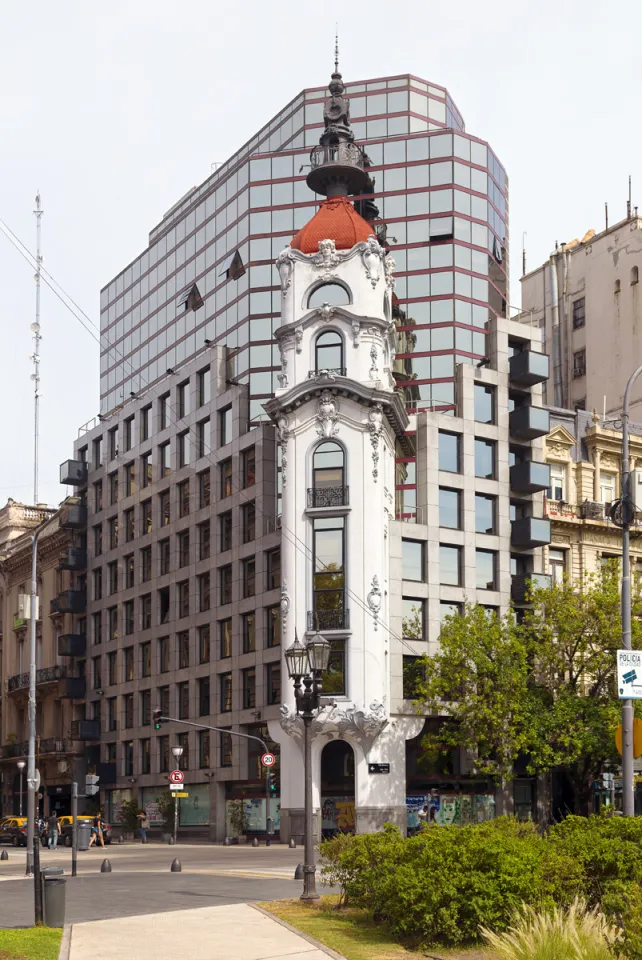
299, 933
65, 943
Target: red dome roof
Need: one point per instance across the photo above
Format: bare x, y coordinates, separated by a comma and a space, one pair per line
336, 219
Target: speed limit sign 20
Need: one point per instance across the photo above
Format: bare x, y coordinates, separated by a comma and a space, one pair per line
268, 759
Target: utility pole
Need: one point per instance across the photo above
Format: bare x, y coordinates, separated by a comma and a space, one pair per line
32, 785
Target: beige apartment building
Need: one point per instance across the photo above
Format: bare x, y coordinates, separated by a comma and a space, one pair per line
586, 469
60, 690
586, 300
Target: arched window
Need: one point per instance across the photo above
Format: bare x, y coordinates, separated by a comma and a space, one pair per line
328, 476
328, 351
635, 274
333, 293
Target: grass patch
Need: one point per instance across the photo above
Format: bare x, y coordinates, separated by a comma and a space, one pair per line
33, 943
352, 933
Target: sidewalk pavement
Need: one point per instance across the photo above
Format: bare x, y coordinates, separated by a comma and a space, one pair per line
232, 932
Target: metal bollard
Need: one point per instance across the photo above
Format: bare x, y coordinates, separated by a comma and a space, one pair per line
121, 839
171, 841
4, 855
298, 873
292, 843
255, 841
176, 866
105, 866
227, 842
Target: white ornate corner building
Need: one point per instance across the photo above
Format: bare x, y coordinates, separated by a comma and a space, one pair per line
339, 419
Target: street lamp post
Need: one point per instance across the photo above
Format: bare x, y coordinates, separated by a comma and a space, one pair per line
305, 665
21, 766
178, 753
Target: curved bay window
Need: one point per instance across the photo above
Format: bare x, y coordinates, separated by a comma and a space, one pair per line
329, 612
328, 353
328, 476
334, 294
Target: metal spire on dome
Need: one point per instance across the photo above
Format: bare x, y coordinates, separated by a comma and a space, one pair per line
336, 49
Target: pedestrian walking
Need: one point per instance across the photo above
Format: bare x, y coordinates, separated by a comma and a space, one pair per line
143, 825
97, 830
52, 831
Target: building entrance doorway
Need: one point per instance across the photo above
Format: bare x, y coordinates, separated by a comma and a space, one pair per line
337, 789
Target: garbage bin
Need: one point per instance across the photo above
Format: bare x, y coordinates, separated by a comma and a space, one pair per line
84, 834
53, 896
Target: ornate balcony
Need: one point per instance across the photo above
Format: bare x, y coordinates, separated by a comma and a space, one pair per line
45, 745
20, 681
328, 619
328, 496
342, 161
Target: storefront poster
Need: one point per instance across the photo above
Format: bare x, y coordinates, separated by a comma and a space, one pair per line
194, 810
450, 809
255, 814
337, 813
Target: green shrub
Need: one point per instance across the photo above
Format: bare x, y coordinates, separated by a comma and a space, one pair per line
622, 902
577, 933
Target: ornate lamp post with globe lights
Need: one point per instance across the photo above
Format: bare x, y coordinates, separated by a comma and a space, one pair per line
306, 663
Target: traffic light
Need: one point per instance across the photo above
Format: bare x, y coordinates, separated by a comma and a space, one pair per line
91, 785
271, 784
157, 718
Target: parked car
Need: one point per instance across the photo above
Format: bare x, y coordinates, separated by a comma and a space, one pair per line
66, 829
14, 830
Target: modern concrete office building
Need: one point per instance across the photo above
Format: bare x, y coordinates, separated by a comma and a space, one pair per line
586, 301
224, 356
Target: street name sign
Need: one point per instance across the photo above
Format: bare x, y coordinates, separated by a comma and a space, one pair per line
378, 768
629, 674
181, 794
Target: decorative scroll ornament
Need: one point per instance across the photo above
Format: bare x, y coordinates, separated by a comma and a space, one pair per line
327, 416
326, 312
285, 606
360, 725
375, 426
285, 267
356, 331
322, 375
283, 434
284, 346
374, 599
373, 371
298, 335
389, 269
327, 257
291, 723
371, 258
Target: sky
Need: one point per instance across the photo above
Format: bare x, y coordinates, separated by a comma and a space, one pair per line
113, 111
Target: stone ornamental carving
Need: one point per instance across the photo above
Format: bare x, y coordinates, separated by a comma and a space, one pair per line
373, 372
557, 450
374, 599
361, 725
284, 346
283, 434
327, 416
371, 258
375, 426
389, 269
609, 462
327, 257
298, 336
285, 267
326, 312
356, 332
285, 606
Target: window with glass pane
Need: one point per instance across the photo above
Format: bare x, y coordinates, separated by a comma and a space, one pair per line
163, 655
203, 386
163, 754
164, 508
248, 516
183, 548
225, 638
182, 647
484, 403
226, 692
204, 746
225, 749
273, 682
557, 489
145, 423
556, 565
128, 710
248, 571
334, 294
273, 566
145, 756
164, 555
182, 598
273, 626
112, 437
129, 568
248, 624
225, 584
97, 673
130, 479
450, 452
98, 540
328, 476
202, 438
203, 530
486, 569
165, 459
449, 508
448, 609
248, 467
146, 659
163, 411
182, 399
112, 615
112, 570
225, 528
128, 617
145, 517
413, 673
329, 352
204, 489
450, 565
184, 447
485, 459
329, 574
182, 691
112, 528
112, 720
98, 583
226, 478
145, 707
334, 679
182, 490
224, 426
97, 622
413, 564
146, 611
607, 487
249, 688
485, 514
204, 643
128, 752
203, 587
413, 618
112, 668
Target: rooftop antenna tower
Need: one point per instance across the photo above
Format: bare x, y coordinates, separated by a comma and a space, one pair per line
35, 356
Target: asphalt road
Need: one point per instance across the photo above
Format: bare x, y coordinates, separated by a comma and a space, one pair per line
141, 882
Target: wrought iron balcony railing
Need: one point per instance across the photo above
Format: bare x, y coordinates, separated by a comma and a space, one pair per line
328, 619
45, 745
20, 681
328, 496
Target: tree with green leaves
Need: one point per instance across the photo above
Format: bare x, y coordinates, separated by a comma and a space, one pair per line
542, 691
